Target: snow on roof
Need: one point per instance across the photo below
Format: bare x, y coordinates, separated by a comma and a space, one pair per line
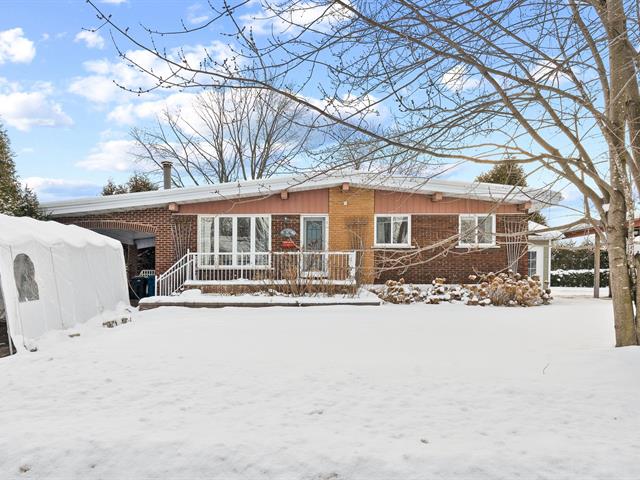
535, 233
300, 182
19, 230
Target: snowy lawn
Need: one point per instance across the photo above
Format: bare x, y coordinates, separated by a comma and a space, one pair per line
391, 392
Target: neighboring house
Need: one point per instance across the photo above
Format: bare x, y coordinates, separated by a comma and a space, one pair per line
539, 252
334, 226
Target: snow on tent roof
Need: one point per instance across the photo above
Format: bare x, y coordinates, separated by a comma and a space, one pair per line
54, 276
16, 230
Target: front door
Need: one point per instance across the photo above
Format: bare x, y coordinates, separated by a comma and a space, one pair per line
314, 244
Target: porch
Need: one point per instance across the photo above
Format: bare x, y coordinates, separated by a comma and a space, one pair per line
259, 271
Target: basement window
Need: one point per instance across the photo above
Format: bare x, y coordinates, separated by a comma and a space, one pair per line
393, 231
234, 240
477, 230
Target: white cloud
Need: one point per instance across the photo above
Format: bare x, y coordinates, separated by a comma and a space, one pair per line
131, 113
26, 109
99, 87
90, 38
547, 72
50, 189
15, 47
458, 78
114, 2
352, 107
96, 88
109, 156
300, 14
195, 14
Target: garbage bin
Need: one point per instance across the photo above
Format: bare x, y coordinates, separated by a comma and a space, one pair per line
151, 286
138, 287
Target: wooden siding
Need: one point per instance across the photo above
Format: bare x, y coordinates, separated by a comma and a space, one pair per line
413, 203
310, 201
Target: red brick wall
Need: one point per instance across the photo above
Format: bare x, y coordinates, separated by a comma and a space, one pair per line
417, 265
421, 265
279, 223
156, 221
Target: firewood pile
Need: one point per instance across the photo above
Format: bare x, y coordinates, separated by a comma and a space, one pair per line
508, 289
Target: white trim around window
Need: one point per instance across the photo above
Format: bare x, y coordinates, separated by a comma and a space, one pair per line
475, 232
252, 258
394, 219
326, 230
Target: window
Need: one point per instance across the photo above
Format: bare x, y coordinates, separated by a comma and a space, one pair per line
24, 273
533, 263
393, 230
234, 241
477, 230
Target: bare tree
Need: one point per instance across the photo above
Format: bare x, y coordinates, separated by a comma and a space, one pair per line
551, 84
227, 135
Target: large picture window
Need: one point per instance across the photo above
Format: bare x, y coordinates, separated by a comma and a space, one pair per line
477, 230
234, 240
392, 231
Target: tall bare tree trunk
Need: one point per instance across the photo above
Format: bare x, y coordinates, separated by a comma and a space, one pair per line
619, 278
620, 266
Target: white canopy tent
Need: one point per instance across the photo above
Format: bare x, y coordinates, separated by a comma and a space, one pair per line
53, 276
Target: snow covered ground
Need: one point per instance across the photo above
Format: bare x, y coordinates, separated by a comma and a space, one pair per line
390, 392
577, 292
196, 297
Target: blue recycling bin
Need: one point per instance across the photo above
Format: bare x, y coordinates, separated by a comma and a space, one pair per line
151, 286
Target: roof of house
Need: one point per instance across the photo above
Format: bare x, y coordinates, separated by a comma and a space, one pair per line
539, 198
537, 231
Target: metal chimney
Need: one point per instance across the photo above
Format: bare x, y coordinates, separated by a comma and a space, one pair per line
166, 173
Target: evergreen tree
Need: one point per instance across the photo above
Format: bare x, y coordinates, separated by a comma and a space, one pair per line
14, 200
111, 188
505, 173
9, 188
138, 182
510, 173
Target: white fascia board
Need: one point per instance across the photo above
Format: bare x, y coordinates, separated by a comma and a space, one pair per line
294, 183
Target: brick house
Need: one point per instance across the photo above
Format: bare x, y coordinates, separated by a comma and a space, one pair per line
339, 226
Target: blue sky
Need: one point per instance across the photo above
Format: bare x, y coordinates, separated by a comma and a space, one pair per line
68, 122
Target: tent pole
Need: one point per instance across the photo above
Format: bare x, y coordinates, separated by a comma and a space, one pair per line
596, 267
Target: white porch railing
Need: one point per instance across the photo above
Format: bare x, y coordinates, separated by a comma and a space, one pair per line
268, 269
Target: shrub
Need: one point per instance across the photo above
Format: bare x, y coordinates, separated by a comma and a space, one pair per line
573, 257
508, 289
578, 278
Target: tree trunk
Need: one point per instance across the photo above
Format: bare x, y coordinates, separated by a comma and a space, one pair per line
620, 261
619, 278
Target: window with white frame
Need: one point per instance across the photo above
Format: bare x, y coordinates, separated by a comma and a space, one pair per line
234, 240
477, 230
393, 231
533, 262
